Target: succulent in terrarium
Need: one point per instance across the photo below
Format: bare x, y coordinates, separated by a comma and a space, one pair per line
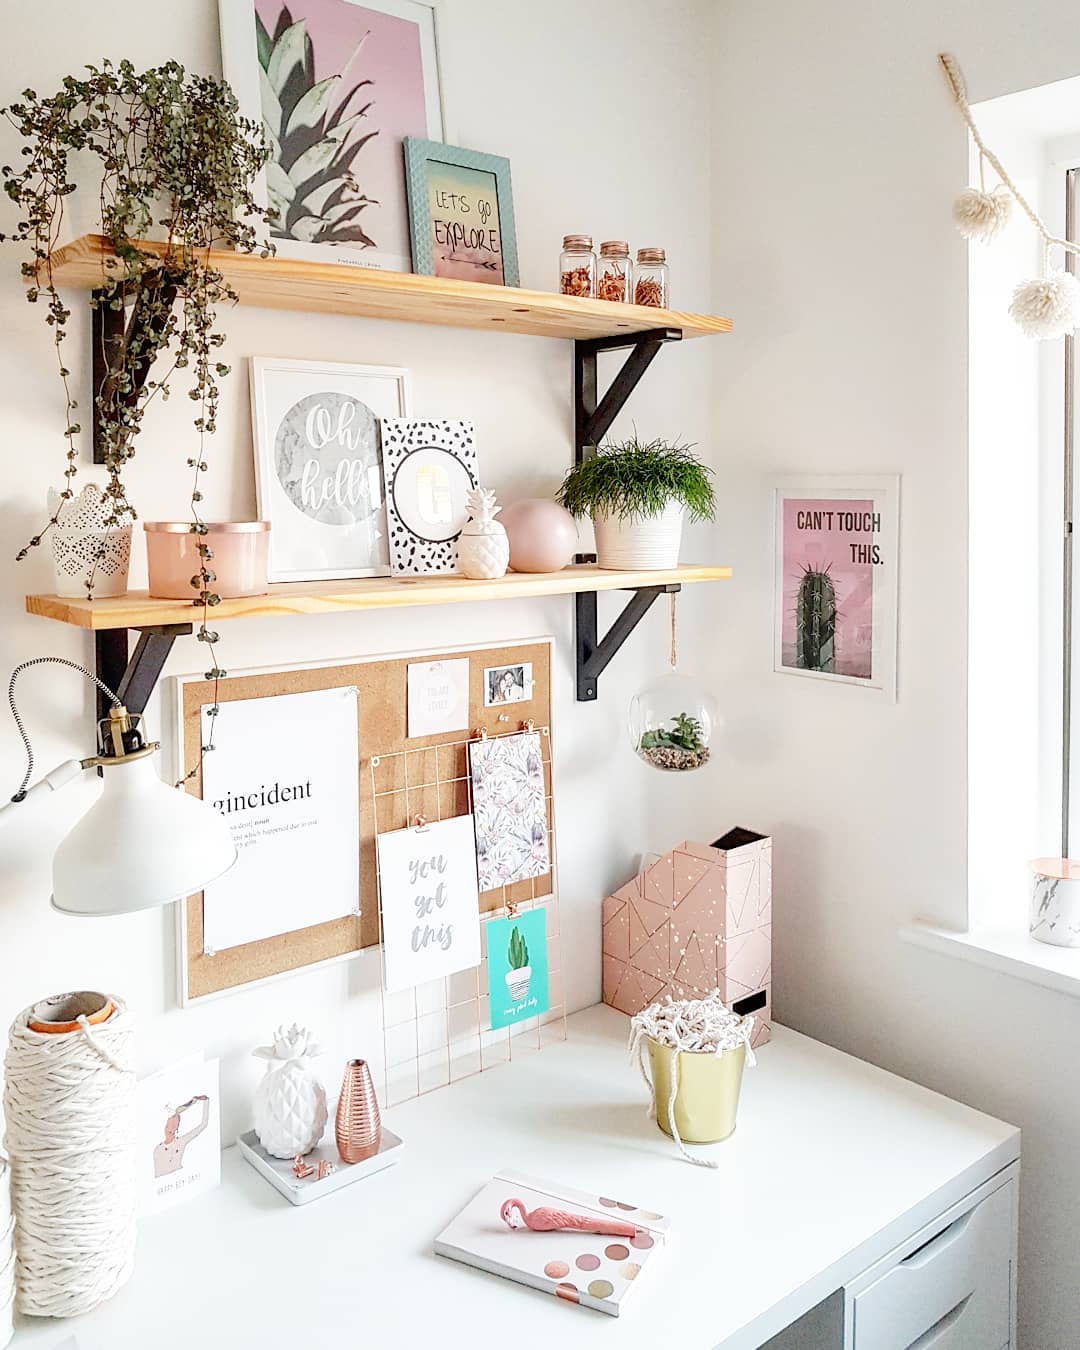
313, 129
677, 744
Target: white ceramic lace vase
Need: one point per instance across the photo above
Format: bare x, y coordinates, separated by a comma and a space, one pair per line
290, 1101
483, 548
87, 555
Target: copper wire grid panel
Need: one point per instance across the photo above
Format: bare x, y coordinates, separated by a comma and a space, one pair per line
438, 1033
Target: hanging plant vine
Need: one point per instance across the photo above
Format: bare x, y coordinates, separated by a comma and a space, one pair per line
175, 157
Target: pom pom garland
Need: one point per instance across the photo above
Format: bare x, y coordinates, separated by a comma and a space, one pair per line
1048, 307
982, 215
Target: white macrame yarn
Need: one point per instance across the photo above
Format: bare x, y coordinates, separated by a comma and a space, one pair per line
69, 1104
982, 215
697, 1026
1047, 307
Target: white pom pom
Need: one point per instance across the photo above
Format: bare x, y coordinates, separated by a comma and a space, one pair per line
982, 215
1047, 307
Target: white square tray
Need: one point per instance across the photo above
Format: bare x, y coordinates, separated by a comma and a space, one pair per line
299, 1191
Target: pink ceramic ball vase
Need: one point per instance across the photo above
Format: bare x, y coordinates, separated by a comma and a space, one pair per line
543, 535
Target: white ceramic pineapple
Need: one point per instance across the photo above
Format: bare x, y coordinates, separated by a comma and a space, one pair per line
290, 1102
483, 548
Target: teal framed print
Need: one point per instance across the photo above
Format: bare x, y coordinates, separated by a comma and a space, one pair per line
461, 213
517, 967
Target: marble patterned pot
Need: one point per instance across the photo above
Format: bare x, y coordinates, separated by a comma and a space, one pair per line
1055, 902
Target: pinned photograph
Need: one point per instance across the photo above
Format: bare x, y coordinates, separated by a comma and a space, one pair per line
507, 684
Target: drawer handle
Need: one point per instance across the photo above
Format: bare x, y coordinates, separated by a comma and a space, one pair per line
929, 1251
930, 1338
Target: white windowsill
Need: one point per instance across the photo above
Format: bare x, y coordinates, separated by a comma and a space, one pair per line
1011, 951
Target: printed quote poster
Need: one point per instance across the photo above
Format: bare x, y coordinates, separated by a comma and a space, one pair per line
284, 775
836, 586
430, 902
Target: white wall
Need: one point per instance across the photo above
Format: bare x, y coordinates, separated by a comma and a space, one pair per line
588, 152
837, 155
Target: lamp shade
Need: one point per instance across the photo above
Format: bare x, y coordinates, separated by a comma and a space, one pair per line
142, 843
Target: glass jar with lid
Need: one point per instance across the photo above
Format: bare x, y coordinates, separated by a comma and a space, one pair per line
651, 278
577, 265
613, 271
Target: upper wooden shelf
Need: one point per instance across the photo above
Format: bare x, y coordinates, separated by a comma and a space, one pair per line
138, 610
337, 288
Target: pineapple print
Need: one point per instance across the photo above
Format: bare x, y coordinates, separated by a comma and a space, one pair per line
483, 548
315, 130
290, 1102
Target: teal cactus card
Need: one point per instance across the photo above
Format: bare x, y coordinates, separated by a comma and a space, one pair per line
517, 967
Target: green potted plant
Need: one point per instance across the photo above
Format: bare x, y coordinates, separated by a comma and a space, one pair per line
677, 744
638, 494
173, 160
520, 972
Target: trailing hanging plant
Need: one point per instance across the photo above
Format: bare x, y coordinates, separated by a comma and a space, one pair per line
638, 479
174, 156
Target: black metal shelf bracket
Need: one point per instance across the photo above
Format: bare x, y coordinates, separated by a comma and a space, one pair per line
593, 417
109, 329
133, 678
592, 653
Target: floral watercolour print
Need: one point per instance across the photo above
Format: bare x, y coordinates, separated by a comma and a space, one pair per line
509, 804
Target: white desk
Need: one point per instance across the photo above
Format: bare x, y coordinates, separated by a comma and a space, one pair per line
833, 1164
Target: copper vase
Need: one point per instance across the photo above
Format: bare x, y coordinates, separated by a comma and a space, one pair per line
357, 1126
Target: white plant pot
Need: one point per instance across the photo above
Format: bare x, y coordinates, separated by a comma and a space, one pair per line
1055, 902
517, 982
648, 543
86, 555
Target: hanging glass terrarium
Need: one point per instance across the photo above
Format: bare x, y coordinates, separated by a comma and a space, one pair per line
673, 720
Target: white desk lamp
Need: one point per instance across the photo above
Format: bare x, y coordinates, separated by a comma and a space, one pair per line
142, 843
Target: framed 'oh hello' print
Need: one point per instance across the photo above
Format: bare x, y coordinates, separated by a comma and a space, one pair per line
318, 464
461, 213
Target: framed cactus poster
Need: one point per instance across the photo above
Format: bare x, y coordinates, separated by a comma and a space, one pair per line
337, 86
835, 583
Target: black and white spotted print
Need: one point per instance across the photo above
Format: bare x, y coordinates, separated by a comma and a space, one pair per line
406, 445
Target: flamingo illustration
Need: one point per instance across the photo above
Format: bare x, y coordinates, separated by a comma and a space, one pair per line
551, 1220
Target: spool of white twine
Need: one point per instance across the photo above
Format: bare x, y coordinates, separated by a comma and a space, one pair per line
69, 1104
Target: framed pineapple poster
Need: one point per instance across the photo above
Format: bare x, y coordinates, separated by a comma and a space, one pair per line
835, 580
337, 86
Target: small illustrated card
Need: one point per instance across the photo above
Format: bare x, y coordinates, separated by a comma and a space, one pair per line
597, 1270
517, 967
179, 1133
430, 904
429, 467
510, 806
438, 697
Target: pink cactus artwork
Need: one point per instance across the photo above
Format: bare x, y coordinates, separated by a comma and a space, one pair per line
698, 919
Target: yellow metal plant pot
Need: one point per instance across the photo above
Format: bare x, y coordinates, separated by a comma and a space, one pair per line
707, 1096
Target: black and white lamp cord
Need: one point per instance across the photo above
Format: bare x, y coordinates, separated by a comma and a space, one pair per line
40, 661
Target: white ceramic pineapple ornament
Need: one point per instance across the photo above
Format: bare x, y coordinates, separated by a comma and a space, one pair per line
290, 1102
483, 548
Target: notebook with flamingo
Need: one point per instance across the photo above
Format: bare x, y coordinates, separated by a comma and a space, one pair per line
586, 1249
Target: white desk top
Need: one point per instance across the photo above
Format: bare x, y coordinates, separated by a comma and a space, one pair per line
832, 1164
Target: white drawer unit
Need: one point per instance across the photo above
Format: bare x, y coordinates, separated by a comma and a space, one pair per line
950, 1287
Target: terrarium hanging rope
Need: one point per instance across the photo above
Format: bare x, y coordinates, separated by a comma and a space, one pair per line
1047, 306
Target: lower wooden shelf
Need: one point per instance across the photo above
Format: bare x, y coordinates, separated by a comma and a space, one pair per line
138, 610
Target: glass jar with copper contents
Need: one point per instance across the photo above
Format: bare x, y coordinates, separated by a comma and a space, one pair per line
651, 278
613, 271
577, 265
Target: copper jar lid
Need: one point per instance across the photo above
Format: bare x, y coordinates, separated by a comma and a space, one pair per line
577, 241
651, 255
212, 527
615, 248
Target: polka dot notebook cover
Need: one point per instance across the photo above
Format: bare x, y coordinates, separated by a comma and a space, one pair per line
594, 1269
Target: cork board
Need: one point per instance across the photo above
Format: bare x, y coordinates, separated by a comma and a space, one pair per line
425, 775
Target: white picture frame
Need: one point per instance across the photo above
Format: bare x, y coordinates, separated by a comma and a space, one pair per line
843, 529
318, 464
375, 198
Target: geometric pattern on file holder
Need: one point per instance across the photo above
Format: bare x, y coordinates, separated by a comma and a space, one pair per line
697, 919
